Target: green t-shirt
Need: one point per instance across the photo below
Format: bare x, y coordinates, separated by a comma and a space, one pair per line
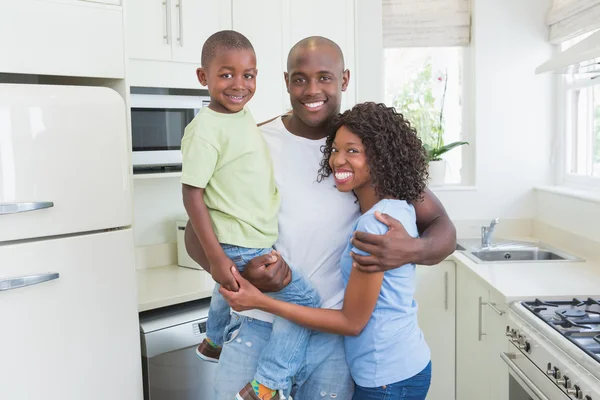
227, 156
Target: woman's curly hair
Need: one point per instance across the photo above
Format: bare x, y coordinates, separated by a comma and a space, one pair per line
395, 155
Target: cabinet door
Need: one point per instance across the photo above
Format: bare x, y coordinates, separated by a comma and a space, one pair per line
59, 38
192, 22
77, 336
265, 36
148, 24
471, 337
496, 315
435, 296
333, 19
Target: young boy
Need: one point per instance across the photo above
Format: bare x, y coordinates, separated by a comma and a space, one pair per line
230, 196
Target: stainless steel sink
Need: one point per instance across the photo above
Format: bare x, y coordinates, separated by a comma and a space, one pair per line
513, 251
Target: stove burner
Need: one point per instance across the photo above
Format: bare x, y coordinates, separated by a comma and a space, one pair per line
572, 313
566, 323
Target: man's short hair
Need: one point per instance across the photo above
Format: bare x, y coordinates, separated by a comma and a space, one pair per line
223, 40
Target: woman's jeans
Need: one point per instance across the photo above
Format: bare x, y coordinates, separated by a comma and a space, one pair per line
414, 388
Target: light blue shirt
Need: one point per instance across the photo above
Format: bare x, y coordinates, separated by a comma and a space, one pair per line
391, 348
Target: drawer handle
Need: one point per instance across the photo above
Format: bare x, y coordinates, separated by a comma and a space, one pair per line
13, 208
22, 281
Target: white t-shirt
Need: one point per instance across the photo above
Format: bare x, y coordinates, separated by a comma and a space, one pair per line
315, 218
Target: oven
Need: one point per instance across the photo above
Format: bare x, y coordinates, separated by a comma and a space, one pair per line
543, 364
158, 122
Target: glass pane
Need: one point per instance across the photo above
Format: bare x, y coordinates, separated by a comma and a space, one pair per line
596, 132
420, 83
159, 129
584, 132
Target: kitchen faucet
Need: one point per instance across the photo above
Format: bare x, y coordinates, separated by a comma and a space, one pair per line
487, 232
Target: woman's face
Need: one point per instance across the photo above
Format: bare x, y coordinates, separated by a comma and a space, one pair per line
348, 161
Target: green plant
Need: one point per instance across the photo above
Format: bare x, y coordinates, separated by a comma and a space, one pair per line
417, 103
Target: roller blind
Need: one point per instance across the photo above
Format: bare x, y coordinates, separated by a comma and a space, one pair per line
570, 18
426, 23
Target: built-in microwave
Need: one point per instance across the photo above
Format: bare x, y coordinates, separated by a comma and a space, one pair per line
158, 121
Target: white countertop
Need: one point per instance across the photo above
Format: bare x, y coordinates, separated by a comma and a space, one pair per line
527, 281
171, 284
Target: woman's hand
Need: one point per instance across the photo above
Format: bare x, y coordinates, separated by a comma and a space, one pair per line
247, 297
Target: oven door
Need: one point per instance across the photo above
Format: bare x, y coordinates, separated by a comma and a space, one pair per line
527, 381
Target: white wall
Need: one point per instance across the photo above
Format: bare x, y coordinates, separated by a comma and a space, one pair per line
513, 111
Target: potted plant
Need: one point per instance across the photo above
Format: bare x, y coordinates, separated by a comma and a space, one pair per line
417, 103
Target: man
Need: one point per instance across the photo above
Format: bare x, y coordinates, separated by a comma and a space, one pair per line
314, 222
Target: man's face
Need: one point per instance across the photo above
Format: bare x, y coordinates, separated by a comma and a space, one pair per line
315, 81
231, 79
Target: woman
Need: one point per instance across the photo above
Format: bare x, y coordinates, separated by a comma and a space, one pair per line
376, 154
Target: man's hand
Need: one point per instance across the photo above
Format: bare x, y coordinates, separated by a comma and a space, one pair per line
221, 272
388, 251
269, 272
247, 297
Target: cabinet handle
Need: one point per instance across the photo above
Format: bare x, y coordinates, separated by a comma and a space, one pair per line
167, 33
446, 290
179, 5
13, 208
493, 307
22, 281
480, 333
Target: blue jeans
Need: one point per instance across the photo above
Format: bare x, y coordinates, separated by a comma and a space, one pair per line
285, 353
414, 388
324, 373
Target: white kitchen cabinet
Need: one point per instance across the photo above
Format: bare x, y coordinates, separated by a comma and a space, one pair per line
77, 336
173, 30
481, 318
436, 297
77, 38
270, 95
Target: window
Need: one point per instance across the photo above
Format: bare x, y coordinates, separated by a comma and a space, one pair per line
581, 133
419, 83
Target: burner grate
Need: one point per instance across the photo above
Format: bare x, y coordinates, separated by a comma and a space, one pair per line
577, 320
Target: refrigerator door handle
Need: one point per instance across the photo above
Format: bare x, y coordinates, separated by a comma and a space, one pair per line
22, 281
13, 208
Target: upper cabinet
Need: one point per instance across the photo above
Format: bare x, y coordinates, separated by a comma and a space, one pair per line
76, 38
173, 30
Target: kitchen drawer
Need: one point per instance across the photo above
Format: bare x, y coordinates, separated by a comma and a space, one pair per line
77, 336
64, 145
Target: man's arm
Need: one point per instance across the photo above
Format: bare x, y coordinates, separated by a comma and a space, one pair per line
396, 247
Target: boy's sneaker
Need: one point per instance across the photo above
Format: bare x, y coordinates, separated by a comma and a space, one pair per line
247, 393
207, 352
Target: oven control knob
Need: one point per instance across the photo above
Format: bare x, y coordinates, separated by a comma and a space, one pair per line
559, 378
570, 389
550, 370
508, 331
588, 398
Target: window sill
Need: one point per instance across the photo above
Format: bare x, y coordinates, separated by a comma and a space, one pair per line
452, 188
582, 194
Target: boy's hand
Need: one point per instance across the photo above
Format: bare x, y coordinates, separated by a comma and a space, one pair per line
269, 272
221, 272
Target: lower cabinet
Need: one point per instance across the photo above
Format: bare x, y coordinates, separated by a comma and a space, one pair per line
436, 297
481, 318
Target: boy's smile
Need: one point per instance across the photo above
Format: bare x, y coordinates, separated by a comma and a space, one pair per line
231, 79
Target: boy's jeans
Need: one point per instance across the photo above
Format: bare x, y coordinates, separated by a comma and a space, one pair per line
286, 349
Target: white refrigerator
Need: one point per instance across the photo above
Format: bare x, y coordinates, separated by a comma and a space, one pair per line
68, 305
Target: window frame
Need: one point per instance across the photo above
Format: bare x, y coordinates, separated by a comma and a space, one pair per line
566, 85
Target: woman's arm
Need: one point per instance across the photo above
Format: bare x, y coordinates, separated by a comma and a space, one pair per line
193, 201
360, 299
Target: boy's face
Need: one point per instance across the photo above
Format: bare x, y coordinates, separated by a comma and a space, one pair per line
315, 82
231, 79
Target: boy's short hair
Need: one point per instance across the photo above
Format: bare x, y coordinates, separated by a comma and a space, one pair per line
226, 40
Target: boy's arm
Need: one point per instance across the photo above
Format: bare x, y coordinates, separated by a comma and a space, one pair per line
397, 247
220, 264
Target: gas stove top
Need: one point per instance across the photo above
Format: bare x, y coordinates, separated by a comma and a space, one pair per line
577, 320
